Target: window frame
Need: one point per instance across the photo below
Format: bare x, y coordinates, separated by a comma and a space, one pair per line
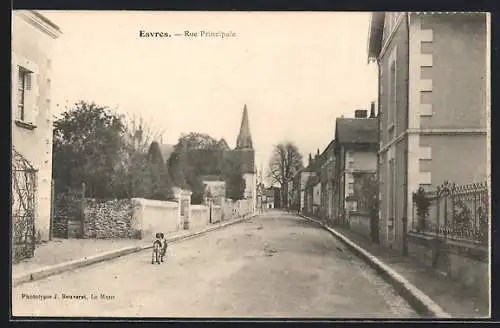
392, 94
26, 118
24, 87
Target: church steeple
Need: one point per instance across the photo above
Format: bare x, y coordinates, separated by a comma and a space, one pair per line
244, 140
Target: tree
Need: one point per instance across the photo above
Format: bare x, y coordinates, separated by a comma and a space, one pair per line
161, 187
88, 146
235, 183
140, 176
139, 134
186, 167
422, 203
285, 161
196, 140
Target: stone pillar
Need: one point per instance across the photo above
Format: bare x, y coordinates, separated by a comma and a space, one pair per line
185, 208
222, 208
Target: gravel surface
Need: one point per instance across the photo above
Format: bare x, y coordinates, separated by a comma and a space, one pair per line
275, 265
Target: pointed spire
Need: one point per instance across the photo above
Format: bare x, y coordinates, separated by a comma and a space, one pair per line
244, 140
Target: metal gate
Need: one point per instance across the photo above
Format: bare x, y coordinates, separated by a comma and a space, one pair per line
23, 207
68, 214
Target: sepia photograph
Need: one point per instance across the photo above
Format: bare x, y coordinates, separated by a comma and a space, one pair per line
250, 165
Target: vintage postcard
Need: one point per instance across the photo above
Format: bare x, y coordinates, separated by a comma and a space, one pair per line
250, 164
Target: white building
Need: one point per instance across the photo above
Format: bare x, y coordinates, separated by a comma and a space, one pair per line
33, 36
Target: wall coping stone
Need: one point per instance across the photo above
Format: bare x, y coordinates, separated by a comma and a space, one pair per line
154, 203
463, 248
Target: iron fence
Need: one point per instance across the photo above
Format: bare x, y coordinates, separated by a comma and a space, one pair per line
23, 208
458, 212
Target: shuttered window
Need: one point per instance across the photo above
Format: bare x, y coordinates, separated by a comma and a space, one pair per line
23, 89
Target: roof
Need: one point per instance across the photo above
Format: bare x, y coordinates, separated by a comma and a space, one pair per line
212, 178
223, 144
244, 140
46, 20
376, 29
41, 22
375, 35
312, 181
356, 130
166, 150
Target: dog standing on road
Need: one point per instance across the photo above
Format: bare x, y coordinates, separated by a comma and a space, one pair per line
164, 246
157, 249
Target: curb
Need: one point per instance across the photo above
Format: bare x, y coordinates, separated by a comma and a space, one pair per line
422, 303
187, 236
106, 256
71, 265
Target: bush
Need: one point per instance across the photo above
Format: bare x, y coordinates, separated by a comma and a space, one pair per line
423, 203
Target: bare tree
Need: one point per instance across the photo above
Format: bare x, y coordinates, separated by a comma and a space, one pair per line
285, 161
141, 133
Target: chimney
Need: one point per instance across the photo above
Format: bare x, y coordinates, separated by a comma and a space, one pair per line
372, 110
360, 113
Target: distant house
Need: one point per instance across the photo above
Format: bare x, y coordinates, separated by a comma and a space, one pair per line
291, 195
268, 198
327, 180
299, 188
432, 103
313, 195
356, 149
215, 186
33, 37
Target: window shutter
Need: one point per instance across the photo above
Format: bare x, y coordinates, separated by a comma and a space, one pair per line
31, 111
25, 85
27, 82
15, 88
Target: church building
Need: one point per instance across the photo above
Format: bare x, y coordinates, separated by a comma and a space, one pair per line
243, 156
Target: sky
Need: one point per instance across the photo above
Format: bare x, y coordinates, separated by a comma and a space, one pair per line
296, 72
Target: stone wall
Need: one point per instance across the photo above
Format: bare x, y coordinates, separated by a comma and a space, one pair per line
67, 216
152, 216
108, 219
216, 213
460, 260
360, 223
236, 209
200, 215
141, 218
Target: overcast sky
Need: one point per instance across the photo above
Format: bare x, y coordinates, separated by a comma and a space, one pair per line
296, 72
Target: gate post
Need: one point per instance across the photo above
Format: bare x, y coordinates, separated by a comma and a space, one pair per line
52, 209
210, 213
437, 246
82, 214
405, 236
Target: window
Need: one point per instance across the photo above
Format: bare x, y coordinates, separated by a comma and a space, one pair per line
23, 90
350, 189
392, 94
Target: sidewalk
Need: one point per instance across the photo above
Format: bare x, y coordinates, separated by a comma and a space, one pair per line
60, 252
450, 295
64, 250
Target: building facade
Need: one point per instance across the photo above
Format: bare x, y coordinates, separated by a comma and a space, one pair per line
299, 194
355, 156
327, 180
33, 37
432, 104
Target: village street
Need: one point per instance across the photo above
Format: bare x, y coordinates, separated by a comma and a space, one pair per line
276, 264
